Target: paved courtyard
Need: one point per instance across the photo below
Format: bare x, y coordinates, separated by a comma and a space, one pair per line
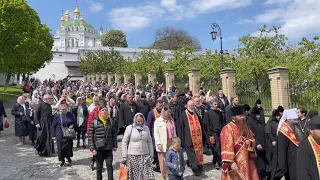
21, 162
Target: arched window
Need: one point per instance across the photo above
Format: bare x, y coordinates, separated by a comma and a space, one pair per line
77, 43
77, 29
72, 42
85, 29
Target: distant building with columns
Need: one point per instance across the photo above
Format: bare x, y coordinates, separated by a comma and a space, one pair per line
73, 38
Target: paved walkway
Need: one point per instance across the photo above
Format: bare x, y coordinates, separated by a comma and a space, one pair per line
21, 162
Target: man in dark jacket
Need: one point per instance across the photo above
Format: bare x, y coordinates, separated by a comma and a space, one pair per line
143, 105
223, 102
102, 140
228, 112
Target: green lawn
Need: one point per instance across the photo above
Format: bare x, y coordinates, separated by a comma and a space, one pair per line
12, 92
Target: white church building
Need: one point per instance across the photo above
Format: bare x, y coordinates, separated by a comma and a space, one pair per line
73, 38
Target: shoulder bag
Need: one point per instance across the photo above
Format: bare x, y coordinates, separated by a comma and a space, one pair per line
67, 133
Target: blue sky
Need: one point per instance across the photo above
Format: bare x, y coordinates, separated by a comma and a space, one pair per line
140, 18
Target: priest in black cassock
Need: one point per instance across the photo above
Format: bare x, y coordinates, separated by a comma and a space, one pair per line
127, 111
308, 163
285, 156
191, 133
257, 127
213, 123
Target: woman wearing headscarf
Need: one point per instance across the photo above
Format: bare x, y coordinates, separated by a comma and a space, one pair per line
80, 112
137, 149
164, 131
20, 112
65, 119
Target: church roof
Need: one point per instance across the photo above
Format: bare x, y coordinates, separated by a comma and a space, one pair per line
100, 36
76, 23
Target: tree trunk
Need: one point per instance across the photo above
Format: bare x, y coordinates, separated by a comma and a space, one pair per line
23, 78
7, 82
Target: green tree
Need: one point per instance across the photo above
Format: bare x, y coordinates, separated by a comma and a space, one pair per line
182, 61
169, 38
25, 44
258, 54
115, 38
149, 60
103, 61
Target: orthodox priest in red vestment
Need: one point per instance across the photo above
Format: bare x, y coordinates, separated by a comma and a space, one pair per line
238, 149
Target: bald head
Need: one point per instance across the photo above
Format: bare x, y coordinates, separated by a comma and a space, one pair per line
191, 105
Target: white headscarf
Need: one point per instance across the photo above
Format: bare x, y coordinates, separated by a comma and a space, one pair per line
287, 114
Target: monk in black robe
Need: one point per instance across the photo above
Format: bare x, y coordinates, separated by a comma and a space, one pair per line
285, 155
308, 163
257, 127
127, 111
43, 120
213, 123
271, 137
191, 134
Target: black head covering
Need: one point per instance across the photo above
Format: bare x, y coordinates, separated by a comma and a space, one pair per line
246, 107
276, 113
237, 110
255, 111
258, 101
312, 113
315, 122
280, 109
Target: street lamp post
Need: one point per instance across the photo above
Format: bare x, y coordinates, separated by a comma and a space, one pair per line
214, 35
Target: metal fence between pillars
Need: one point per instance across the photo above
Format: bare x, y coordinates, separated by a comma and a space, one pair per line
304, 94
249, 92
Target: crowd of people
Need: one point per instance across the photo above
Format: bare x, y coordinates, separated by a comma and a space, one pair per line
158, 125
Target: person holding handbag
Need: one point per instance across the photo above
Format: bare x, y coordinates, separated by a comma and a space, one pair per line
64, 146
137, 149
102, 139
20, 111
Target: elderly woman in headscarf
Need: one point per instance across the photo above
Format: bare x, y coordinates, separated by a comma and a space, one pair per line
65, 119
137, 149
21, 112
164, 131
81, 113
35, 97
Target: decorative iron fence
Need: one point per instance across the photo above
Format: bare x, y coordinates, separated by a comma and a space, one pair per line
304, 94
212, 84
180, 82
144, 81
249, 92
132, 79
161, 79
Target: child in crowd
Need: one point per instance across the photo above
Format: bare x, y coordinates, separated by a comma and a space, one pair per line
175, 160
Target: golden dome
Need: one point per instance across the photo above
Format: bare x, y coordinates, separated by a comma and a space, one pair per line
76, 11
62, 19
67, 14
81, 19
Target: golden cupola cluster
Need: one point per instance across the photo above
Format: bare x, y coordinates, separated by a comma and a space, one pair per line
66, 16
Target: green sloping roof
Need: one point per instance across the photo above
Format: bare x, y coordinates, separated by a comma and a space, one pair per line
76, 23
100, 36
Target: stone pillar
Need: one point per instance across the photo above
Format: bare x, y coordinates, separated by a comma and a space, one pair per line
194, 80
86, 78
104, 77
110, 77
228, 80
169, 75
117, 78
152, 77
98, 77
279, 80
137, 78
126, 78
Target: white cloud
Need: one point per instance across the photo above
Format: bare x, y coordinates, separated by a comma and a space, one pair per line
297, 18
137, 17
94, 6
133, 18
203, 6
